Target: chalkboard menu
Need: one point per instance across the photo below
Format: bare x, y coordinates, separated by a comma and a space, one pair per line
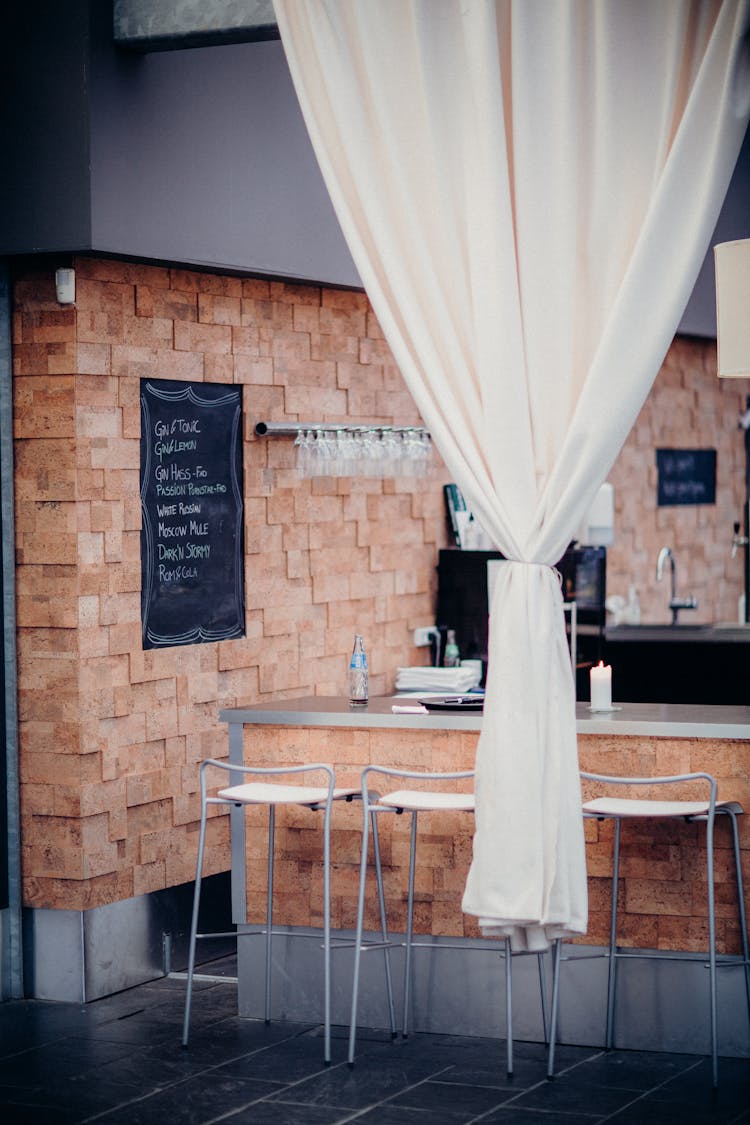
686, 476
192, 565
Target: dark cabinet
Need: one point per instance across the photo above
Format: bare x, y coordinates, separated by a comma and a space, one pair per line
462, 602
679, 664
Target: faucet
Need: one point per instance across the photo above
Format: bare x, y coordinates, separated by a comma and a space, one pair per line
743, 541
675, 603
737, 539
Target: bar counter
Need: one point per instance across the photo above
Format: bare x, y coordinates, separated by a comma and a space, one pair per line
662, 883
664, 891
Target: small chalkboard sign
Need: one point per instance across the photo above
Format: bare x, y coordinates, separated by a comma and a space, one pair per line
192, 556
686, 476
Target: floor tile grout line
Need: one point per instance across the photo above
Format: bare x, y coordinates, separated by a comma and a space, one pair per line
542, 1082
403, 1090
645, 1093
288, 1086
581, 1119
208, 1070
597, 1119
501, 1105
353, 1114
171, 1086
143, 1097
125, 1105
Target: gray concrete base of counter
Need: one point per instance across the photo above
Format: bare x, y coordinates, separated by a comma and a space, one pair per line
460, 989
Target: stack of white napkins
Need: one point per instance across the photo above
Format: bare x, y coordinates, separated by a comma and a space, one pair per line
451, 680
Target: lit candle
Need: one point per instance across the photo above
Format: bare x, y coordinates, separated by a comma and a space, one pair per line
601, 687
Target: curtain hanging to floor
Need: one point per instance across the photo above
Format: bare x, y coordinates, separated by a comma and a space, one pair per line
527, 190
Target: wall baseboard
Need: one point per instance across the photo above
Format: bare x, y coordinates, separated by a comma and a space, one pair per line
82, 955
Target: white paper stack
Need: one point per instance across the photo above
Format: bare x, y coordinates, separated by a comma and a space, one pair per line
450, 680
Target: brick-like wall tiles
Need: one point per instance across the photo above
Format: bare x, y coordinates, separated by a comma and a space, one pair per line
111, 736
688, 408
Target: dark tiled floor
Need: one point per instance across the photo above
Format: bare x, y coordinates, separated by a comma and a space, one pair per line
118, 1061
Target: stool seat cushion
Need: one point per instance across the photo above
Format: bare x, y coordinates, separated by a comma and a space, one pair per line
266, 793
420, 800
633, 807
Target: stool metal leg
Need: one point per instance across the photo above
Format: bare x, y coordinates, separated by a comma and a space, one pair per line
327, 932
509, 1007
543, 995
269, 909
712, 946
741, 901
194, 919
409, 923
370, 818
556, 958
612, 966
359, 927
383, 924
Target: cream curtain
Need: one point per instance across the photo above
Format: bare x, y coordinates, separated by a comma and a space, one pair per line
527, 189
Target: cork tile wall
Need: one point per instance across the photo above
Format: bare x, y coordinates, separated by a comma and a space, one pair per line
111, 735
688, 408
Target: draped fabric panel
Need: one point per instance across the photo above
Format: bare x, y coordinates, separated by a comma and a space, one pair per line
528, 190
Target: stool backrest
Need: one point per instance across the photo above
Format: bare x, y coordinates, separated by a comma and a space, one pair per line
672, 779
415, 775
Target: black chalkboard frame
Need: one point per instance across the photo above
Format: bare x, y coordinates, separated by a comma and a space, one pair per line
191, 609
685, 476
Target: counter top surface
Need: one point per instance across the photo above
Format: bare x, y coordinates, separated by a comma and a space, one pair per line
723, 633
665, 720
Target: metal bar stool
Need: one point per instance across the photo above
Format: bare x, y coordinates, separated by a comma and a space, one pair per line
415, 801
628, 808
271, 793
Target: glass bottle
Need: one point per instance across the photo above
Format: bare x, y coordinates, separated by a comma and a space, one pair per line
452, 655
358, 675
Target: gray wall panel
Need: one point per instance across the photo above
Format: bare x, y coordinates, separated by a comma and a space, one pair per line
699, 318
44, 186
202, 156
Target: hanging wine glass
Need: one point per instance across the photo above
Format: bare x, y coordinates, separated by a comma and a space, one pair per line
305, 444
326, 453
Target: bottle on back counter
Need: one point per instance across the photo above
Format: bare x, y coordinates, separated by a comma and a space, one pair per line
452, 655
358, 687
